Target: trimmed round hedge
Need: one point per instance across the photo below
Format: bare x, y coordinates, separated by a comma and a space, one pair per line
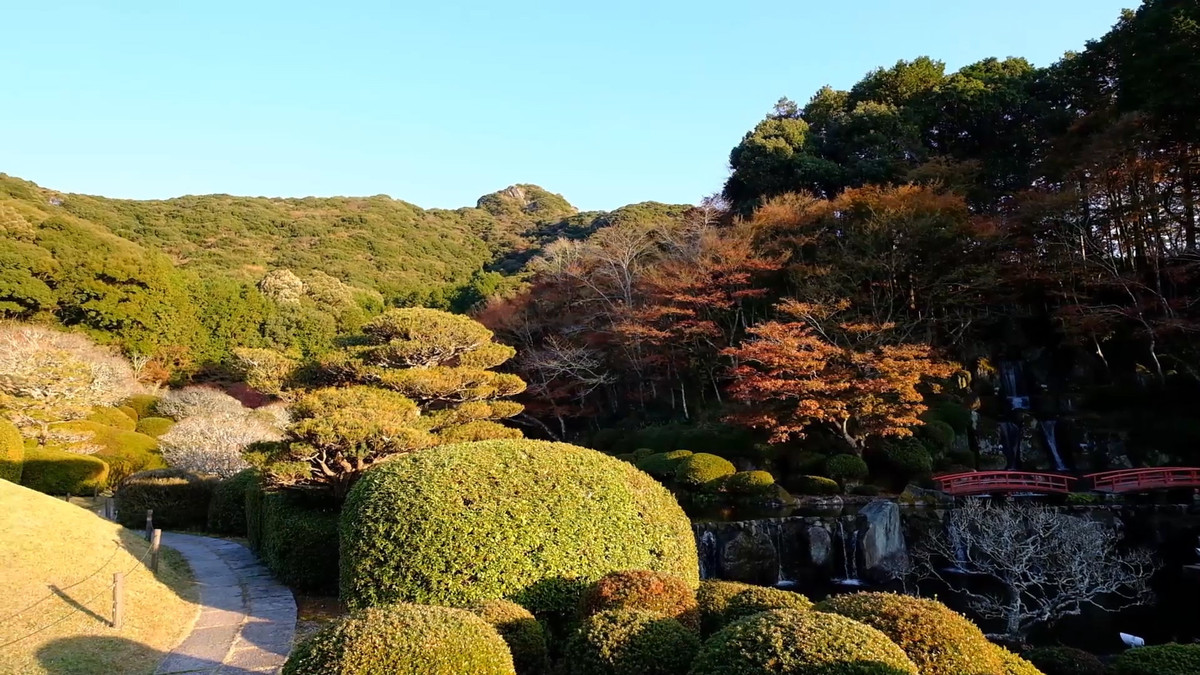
1065, 661
817, 486
712, 600
404, 639
113, 417
846, 468
937, 639
142, 404
529, 521
1011, 664
178, 497
749, 483
126, 452
631, 642
762, 599
1168, 659
154, 426
227, 508
12, 451
525, 637
790, 642
56, 472
703, 470
663, 594
663, 465
902, 460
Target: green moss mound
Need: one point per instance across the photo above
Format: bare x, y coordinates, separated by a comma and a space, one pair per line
12, 452
937, 639
790, 642
529, 521
846, 469
631, 642
404, 639
113, 417
296, 535
227, 508
142, 404
663, 594
525, 637
712, 600
816, 486
761, 599
703, 471
56, 472
749, 483
1065, 661
129, 412
154, 426
663, 465
126, 452
178, 498
1169, 659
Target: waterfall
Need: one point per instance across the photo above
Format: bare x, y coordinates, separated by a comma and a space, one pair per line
849, 556
1010, 384
709, 560
777, 541
1010, 441
959, 564
1049, 431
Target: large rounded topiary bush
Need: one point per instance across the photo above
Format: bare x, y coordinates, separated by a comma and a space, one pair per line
1065, 661
937, 639
656, 592
1171, 659
529, 521
518, 627
846, 468
404, 639
749, 483
761, 599
1011, 664
703, 470
662, 465
631, 642
790, 642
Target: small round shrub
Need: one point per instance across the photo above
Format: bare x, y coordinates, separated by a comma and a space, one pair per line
551, 517
807, 462
525, 637
631, 642
749, 483
937, 639
642, 453
703, 470
954, 414
902, 460
937, 436
129, 412
662, 465
762, 599
790, 642
12, 452
142, 404
56, 472
179, 499
1065, 661
154, 426
1168, 659
227, 508
818, 486
846, 468
656, 592
1011, 664
113, 417
712, 600
404, 639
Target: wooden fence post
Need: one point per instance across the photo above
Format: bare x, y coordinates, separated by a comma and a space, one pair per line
149, 524
118, 600
155, 540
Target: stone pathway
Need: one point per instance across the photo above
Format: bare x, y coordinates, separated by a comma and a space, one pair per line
247, 619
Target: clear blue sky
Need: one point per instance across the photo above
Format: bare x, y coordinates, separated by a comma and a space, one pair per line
437, 102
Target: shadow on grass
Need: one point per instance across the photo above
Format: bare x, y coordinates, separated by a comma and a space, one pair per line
77, 605
94, 655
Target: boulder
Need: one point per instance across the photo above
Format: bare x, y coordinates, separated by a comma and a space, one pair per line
881, 540
751, 558
820, 546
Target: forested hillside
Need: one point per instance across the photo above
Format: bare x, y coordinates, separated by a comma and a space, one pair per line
184, 281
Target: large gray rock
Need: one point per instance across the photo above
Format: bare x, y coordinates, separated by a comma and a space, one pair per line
820, 546
881, 540
751, 558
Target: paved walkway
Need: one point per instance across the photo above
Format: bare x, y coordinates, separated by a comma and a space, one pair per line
247, 619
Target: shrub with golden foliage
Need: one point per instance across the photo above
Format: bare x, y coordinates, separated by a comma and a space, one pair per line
629, 641
647, 590
761, 599
937, 639
518, 627
712, 600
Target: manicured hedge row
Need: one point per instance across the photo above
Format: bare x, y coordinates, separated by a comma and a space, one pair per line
295, 535
178, 498
55, 472
227, 509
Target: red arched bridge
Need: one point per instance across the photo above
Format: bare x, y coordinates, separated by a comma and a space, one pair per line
1125, 480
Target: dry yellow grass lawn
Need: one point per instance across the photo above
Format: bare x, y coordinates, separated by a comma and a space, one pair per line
62, 557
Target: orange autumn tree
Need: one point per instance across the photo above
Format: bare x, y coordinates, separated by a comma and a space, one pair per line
814, 371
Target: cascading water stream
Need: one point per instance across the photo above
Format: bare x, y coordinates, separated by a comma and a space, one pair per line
1010, 441
849, 557
1010, 383
1049, 430
708, 555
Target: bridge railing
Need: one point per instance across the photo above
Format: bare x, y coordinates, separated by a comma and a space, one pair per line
975, 482
1133, 480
